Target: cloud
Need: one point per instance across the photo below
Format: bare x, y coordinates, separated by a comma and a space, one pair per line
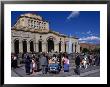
89, 38
82, 41
89, 32
73, 14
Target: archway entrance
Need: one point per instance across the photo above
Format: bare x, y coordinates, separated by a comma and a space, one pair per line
31, 46
24, 46
40, 46
59, 46
16, 46
50, 45
65, 47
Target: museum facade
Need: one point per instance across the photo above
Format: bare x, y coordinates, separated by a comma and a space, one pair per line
31, 33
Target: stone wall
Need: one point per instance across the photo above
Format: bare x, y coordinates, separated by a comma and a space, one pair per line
35, 37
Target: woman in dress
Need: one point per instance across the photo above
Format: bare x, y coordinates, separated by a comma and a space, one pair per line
66, 64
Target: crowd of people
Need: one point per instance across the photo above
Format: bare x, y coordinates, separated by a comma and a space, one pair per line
42, 61
85, 60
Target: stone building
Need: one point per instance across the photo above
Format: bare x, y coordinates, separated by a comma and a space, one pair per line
32, 34
88, 46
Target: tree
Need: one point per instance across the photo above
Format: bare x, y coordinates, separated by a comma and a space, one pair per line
96, 50
85, 50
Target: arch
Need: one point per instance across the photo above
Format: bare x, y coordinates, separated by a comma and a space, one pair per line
60, 46
40, 45
24, 46
16, 46
75, 46
65, 47
51, 37
50, 44
31, 46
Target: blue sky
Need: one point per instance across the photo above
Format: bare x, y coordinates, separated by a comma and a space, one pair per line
83, 24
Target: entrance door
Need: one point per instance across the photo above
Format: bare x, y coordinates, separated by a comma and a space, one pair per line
31, 46
40, 46
16, 46
65, 47
59, 46
24, 46
50, 45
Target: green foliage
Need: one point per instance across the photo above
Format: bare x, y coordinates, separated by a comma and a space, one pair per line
85, 50
96, 50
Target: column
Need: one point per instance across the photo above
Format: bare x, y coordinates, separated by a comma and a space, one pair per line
20, 46
12, 46
28, 46
62, 47
78, 48
36, 47
66, 46
73, 47
56, 46
44, 46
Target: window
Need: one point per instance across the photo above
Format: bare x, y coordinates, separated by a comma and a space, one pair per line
34, 24
29, 24
31, 21
40, 36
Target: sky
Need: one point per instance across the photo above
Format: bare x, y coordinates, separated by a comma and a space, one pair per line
83, 24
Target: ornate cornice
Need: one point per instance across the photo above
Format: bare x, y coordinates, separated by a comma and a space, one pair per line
50, 31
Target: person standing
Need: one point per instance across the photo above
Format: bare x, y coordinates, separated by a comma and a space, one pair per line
66, 64
44, 63
85, 62
33, 66
27, 64
77, 62
90, 59
14, 61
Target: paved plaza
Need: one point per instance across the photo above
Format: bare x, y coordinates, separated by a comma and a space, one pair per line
91, 71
